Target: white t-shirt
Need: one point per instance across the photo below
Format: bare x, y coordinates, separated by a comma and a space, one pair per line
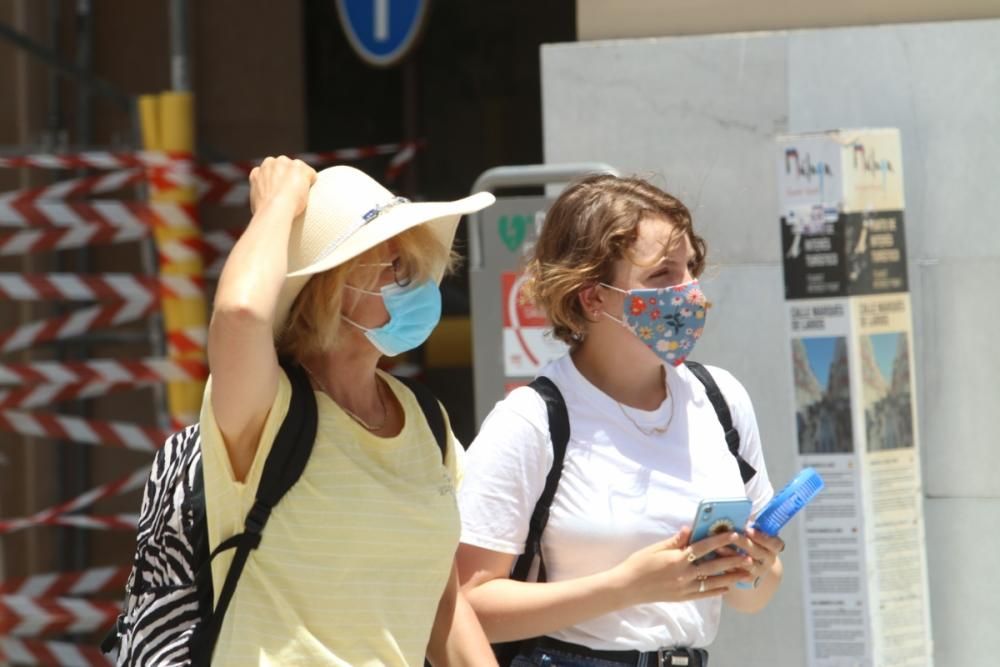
620, 490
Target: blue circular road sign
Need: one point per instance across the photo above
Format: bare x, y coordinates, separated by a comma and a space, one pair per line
382, 31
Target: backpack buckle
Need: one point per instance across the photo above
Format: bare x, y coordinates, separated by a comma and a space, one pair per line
257, 518
673, 657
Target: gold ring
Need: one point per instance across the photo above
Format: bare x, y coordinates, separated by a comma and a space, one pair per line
691, 557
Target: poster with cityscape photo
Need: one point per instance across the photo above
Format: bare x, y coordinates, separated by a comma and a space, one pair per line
822, 395
885, 369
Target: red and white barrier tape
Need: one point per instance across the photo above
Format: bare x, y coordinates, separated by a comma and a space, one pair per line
124, 522
97, 287
151, 369
83, 431
22, 616
49, 213
186, 341
82, 582
220, 182
76, 188
67, 238
127, 160
74, 324
16, 651
96, 160
43, 395
211, 247
50, 515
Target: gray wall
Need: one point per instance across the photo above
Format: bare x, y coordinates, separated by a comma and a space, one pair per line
698, 115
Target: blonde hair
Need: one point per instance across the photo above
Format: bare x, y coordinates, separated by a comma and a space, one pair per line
592, 225
313, 323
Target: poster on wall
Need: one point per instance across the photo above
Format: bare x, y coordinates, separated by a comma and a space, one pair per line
892, 489
832, 528
844, 257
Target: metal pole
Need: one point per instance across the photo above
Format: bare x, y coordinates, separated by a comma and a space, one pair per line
522, 176
180, 75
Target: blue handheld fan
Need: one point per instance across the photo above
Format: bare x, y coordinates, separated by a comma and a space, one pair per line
796, 495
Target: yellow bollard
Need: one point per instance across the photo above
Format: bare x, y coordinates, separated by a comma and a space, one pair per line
167, 122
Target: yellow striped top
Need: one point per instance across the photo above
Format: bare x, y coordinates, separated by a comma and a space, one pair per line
354, 559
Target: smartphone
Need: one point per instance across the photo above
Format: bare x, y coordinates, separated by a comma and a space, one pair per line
719, 515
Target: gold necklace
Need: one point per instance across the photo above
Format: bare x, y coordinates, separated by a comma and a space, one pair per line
656, 430
378, 390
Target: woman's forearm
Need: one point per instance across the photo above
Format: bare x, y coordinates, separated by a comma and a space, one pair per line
255, 269
457, 638
511, 610
752, 600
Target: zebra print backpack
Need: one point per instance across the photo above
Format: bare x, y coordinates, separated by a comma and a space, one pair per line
168, 618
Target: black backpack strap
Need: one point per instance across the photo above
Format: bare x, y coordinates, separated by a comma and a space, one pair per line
284, 465
718, 401
558, 419
559, 434
432, 412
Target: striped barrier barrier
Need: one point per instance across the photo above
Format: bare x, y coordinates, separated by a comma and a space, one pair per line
17, 651
104, 370
96, 287
82, 582
54, 213
85, 235
23, 616
39, 395
76, 188
108, 433
52, 515
75, 324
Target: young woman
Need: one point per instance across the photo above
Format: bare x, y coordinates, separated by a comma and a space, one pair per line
615, 269
356, 566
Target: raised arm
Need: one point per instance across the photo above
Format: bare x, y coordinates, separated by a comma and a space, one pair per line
241, 353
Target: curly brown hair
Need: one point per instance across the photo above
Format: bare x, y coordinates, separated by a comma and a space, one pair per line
592, 225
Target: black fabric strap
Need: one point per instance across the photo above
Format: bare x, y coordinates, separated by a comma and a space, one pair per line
559, 434
718, 401
432, 412
284, 465
690, 657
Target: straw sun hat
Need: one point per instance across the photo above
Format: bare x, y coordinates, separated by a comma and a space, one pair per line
349, 213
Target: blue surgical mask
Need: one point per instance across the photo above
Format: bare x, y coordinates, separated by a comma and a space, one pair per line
413, 310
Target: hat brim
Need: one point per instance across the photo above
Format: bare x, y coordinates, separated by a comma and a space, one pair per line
441, 217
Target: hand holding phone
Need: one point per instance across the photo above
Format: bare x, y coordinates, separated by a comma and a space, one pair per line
717, 516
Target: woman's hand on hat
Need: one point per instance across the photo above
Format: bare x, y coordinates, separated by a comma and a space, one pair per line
668, 571
281, 181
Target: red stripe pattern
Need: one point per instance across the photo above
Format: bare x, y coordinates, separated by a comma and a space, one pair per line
78, 188
97, 287
51, 654
22, 616
74, 324
151, 369
66, 238
82, 582
49, 516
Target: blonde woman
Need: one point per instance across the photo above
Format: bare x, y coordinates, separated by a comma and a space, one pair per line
356, 566
615, 269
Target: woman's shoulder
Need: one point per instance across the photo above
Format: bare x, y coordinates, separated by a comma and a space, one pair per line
729, 385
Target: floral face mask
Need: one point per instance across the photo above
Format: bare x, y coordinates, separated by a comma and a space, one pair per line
669, 320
